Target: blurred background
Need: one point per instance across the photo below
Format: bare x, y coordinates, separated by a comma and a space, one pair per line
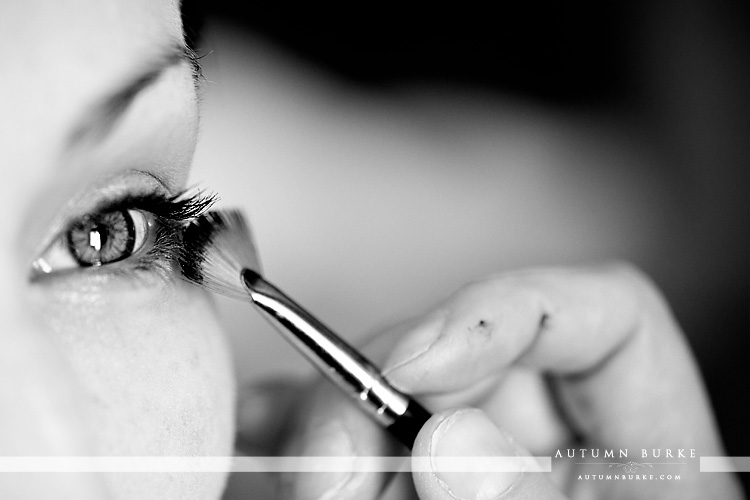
388, 154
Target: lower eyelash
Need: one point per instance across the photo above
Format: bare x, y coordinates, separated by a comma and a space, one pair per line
164, 250
171, 216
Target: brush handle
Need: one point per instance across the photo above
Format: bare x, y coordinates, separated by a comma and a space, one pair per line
406, 426
354, 374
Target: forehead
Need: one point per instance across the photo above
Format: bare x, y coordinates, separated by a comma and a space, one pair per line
63, 52
43, 28
63, 56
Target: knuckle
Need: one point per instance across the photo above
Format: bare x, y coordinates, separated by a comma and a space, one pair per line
653, 309
639, 282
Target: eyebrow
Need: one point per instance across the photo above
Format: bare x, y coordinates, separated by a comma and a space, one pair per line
99, 121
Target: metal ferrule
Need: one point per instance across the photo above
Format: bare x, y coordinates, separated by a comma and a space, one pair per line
338, 361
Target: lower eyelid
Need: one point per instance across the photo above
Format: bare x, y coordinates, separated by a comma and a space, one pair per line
135, 273
131, 278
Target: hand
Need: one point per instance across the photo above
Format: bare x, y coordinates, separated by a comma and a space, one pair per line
557, 359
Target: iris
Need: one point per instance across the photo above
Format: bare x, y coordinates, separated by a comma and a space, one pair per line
102, 238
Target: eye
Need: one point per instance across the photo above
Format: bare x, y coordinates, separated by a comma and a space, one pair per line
98, 239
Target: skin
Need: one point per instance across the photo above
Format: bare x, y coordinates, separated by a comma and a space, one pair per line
134, 363
618, 374
119, 360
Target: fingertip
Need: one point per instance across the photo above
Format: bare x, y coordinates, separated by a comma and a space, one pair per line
468, 457
324, 438
331, 427
476, 333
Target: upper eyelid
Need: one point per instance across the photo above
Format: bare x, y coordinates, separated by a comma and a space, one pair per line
124, 200
42, 229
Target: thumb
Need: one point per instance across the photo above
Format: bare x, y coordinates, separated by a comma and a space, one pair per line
470, 458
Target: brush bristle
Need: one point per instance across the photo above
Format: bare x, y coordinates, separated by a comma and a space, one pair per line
217, 246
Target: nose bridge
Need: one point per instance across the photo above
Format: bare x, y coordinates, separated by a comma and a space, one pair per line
31, 134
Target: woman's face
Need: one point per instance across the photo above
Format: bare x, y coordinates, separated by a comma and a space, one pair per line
103, 349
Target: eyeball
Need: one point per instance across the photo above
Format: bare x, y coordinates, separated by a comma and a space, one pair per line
96, 240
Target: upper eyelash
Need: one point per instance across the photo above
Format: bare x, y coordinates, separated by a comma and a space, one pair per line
171, 211
172, 214
194, 59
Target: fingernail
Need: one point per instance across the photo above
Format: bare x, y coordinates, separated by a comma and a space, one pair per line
411, 348
469, 433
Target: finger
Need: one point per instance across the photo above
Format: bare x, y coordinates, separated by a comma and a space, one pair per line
563, 320
468, 433
605, 333
332, 425
328, 424
522, 406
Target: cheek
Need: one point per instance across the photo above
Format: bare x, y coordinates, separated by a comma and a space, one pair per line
156, 369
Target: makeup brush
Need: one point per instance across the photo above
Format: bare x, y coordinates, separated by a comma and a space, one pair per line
219, 255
